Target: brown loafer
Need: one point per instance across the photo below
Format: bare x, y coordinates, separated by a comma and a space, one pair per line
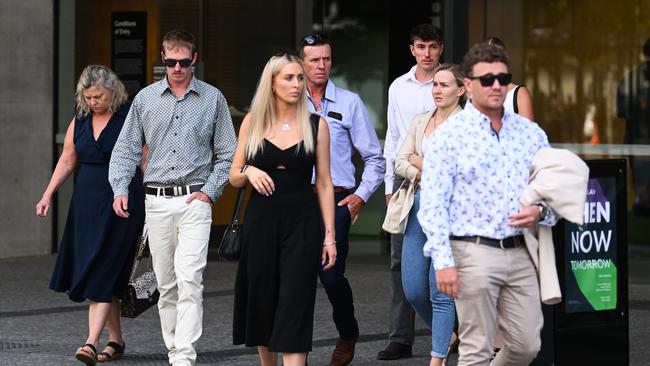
343, 352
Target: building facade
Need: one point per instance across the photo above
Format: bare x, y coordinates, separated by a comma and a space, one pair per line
576, 57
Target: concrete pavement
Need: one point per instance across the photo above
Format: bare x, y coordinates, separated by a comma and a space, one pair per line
40, 327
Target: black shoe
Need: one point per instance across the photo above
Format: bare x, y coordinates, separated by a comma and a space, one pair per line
395, 351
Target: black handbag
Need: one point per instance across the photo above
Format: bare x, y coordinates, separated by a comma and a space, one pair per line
142, 291
230, 245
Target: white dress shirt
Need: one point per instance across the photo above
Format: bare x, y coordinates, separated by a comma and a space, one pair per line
407, 97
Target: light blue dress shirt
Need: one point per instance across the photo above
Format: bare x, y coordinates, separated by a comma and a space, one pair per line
351, 129
472, 178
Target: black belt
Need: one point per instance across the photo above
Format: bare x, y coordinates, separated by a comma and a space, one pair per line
172, 191
507, 243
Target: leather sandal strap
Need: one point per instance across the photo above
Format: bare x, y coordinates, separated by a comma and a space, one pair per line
82, 350
119, 348
92, 347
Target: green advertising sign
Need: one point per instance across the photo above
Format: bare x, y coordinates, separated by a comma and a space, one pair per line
590, 273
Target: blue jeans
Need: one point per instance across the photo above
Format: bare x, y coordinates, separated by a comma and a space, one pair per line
419, 282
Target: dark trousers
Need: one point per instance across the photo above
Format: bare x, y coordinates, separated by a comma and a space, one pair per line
401, 328
336, 285
402, 316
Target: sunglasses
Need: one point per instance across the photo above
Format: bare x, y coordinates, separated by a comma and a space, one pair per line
170, 62
488, 79
313, 39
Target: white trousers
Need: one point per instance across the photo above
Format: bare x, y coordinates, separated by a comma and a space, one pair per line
178, 239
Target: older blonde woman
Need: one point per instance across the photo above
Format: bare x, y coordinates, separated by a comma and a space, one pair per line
418, 276
97, 248
279, 145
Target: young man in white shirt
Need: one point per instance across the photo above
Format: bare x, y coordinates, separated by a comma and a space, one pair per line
408, 95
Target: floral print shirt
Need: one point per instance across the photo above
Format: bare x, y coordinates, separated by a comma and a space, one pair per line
472, 178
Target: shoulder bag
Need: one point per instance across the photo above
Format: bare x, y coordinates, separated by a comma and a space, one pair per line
230, 245
399, 206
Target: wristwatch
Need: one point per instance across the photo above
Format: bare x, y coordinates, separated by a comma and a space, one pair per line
542, 211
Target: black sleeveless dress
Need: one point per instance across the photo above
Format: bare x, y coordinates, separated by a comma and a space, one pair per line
97, 247
275, 290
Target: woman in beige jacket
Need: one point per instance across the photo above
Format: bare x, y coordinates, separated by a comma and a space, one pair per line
418, 276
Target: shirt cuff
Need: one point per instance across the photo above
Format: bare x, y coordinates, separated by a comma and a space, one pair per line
211, 192
441, 255
120, 189
363, 194
388, 187
120, 192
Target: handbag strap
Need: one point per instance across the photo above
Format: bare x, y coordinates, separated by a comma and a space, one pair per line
515, 105
314, 119
238, 202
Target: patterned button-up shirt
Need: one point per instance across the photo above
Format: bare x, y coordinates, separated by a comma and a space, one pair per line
472, 178
182, 134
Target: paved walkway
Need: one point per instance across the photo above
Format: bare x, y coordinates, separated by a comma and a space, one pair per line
40, 327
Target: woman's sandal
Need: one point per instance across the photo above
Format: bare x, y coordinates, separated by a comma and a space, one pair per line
89, 358
118, 352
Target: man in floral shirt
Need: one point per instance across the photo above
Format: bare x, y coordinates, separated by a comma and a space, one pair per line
473, 174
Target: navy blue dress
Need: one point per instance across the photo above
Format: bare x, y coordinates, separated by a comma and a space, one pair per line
97, 249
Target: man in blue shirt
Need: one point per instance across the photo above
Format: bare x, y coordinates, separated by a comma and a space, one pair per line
350, 129
474, 172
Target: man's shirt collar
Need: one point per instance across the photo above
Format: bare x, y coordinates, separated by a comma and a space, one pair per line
473, 111
194, 86
411, 76
330, 91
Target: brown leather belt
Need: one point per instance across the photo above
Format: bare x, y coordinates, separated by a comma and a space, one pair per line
507, 243
336, 189
172, 191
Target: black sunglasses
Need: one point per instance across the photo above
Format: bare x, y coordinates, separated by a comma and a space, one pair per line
313, 39
170, 62
488, 79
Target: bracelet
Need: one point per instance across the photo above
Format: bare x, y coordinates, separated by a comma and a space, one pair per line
330, 243
243, 171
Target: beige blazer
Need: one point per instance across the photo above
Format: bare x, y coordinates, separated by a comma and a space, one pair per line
559, 178
413, 145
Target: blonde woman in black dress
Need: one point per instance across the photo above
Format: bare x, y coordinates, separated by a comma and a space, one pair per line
279, 146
